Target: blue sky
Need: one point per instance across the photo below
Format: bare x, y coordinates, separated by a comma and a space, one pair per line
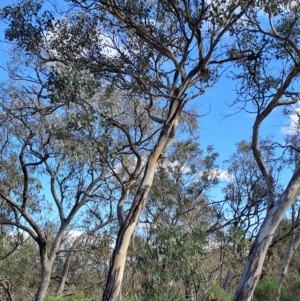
215, 129
222, 132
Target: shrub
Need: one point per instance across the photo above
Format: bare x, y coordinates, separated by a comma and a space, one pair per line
75, 297
291, 289
265, 290
215, 292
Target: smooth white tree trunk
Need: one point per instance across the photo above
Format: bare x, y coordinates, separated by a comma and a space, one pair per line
256, 257
116, 271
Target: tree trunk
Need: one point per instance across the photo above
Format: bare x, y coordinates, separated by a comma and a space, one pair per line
292, 247
47, 261
115, 274
227, 280
46, 266
116, 271
263, 240
64, 276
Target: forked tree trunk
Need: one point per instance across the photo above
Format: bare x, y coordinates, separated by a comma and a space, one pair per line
263, 240
116, 271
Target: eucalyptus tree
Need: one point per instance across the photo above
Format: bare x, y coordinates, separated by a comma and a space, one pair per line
10, 243
20, 271
89, 253
82, 264
180, 192
246, 200
291, 248
165, 53
47, 177
292, 142
245, 192
174, 228
268, 81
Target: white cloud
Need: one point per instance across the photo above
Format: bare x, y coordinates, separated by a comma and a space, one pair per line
225, 175
105, 41
219, 174
174, 165
294, 123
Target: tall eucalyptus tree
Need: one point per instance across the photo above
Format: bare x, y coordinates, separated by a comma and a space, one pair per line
268, 81
164, 53
47, 177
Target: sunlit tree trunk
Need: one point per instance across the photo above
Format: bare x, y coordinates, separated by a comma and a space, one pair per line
256, 257
116, 271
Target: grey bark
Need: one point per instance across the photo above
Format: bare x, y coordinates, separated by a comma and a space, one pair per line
263, 240
227, 280
46, 267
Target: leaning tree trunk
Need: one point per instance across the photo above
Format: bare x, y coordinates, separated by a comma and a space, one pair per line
292, 247
116, 271
67, 263
64, 276
263, 240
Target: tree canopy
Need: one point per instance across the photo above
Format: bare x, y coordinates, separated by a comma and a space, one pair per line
100, 137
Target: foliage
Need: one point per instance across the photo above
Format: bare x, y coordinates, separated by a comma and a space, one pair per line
265, 290
291, 289
172, 260
215, 292
102, 89
75, 297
